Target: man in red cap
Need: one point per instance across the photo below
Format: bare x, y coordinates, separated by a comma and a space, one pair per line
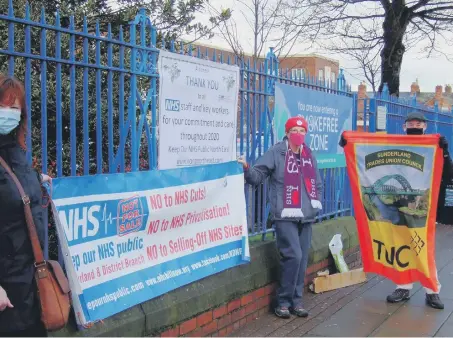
295, 192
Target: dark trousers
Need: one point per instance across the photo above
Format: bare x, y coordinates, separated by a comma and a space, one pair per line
293, 244
35, 331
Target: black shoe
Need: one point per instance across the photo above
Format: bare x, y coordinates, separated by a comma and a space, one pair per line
299, 311
398, 296
282, 312
434, 301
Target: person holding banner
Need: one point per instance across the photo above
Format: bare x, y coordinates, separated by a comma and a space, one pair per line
295, 193
19, 305
416, 124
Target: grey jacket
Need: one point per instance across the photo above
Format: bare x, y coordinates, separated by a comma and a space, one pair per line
272, 164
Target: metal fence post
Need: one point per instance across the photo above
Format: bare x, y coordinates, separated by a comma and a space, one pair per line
132, 102
436, 116
11, 61
271, 74
372, 115
271, 68
414, 100
28, 82
341, 83
355, 112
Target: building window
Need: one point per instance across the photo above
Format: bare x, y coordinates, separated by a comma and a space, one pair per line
332, 77
298, 74
327, 74
321, 75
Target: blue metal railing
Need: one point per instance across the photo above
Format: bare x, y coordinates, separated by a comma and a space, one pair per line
397, 110
92, 97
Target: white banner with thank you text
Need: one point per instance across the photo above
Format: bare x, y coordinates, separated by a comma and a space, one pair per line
198, 102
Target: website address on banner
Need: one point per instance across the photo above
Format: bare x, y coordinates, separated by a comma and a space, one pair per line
197, 161
114, 296
327, 160
204, 262
124, 291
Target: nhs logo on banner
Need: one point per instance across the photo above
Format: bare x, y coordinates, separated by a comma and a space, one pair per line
81, 222
172, 105
88, 221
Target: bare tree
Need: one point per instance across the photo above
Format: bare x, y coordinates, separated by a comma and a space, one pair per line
364, 56
366, 60
267, 20
391, 26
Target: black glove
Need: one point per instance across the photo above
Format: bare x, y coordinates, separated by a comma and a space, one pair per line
443, 143
342, 142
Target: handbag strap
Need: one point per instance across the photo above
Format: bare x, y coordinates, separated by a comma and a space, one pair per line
37, 251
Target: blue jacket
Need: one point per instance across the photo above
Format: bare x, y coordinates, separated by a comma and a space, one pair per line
272, 165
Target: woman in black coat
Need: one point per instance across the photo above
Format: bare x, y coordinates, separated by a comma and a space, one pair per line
19, 305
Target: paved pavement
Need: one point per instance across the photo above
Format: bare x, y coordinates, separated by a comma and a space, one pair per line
361, 310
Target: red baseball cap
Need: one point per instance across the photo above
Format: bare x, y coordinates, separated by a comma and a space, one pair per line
297, 121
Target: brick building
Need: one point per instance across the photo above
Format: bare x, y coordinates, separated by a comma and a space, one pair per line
444, 98
362, 102
298, 66
442, 95
312, 65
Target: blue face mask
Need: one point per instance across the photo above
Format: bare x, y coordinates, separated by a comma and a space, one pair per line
9, 120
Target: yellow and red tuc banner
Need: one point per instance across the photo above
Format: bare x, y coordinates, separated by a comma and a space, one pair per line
395, 182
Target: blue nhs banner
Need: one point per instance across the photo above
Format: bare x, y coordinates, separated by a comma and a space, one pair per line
328, 115
127, 238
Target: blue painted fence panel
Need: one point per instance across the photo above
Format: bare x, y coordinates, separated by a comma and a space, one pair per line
397, 109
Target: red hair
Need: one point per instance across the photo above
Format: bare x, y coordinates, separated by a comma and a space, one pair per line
11, 89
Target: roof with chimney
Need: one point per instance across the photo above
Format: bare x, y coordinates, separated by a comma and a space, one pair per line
442, 95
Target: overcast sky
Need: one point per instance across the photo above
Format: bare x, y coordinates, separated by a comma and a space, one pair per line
429, 72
